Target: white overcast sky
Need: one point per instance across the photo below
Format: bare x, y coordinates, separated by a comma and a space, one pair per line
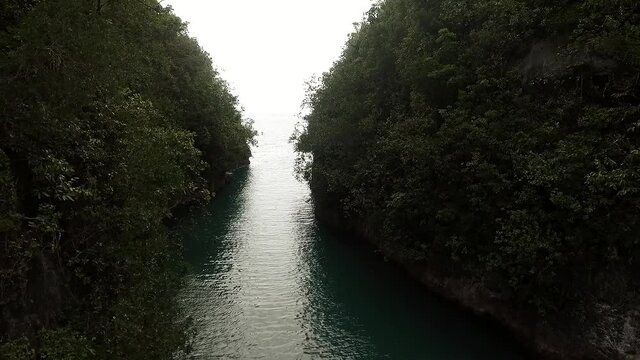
266, 50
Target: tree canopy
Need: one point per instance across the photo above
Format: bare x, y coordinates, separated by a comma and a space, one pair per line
498, 141
111, 118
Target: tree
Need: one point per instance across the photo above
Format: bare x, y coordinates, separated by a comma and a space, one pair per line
494, 141
111, 118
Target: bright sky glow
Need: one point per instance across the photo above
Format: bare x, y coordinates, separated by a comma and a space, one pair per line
266, 50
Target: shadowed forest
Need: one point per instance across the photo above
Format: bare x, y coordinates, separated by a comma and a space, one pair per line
113, 119
497, 142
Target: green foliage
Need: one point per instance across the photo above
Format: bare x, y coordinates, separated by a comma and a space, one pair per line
8, 221
111, 119
65, 344
18, 349
58, 344
498, 140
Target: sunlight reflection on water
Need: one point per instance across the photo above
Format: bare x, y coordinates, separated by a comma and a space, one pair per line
268, 282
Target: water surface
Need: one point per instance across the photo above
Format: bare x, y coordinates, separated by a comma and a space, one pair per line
269, 282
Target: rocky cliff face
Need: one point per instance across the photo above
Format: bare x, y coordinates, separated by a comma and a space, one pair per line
618, 336
42, 304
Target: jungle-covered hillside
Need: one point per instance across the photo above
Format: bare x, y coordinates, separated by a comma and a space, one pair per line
497, 142
111, 118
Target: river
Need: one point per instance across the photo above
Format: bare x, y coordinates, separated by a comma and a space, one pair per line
269, 282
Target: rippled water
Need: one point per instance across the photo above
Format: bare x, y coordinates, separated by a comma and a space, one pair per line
270, 283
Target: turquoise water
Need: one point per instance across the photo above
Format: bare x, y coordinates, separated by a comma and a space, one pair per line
269, 282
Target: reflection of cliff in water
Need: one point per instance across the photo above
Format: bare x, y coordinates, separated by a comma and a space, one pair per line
207, 231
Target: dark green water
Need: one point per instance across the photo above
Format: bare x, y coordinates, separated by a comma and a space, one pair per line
270, 283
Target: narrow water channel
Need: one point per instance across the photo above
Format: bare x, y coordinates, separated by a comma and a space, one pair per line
269, 282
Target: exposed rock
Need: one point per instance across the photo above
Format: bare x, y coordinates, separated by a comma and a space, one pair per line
616, 337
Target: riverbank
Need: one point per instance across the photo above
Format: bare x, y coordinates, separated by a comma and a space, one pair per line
539, 339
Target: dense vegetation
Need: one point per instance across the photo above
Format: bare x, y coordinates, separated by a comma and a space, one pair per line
111, 118
497, 141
